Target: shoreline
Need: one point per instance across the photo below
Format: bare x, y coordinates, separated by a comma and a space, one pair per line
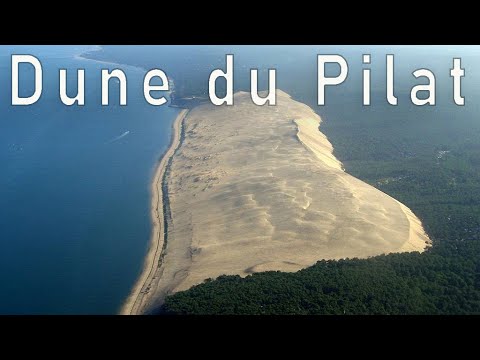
139, 296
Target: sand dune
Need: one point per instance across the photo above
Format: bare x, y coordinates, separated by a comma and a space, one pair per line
257, 188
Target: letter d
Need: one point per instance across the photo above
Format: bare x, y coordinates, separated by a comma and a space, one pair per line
16, 60
228, 75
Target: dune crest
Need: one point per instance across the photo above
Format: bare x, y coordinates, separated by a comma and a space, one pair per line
256, 188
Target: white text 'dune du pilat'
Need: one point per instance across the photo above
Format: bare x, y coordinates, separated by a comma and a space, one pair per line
153, 93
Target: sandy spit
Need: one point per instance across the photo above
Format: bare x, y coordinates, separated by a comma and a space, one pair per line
140, 294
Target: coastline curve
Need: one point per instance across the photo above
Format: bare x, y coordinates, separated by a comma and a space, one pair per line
139, 297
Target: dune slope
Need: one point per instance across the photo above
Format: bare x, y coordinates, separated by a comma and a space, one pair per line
255, 188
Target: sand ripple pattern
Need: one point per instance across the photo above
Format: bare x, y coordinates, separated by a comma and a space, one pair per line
257, 188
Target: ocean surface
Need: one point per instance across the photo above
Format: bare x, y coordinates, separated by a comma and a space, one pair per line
74, 188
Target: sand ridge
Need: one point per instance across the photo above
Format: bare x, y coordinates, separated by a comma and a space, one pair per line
256, 188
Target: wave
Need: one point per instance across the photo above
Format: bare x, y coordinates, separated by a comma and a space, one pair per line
119, 137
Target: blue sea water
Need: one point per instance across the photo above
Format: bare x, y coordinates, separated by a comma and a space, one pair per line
74, 192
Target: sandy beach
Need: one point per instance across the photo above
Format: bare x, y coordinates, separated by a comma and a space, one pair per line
140, 295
